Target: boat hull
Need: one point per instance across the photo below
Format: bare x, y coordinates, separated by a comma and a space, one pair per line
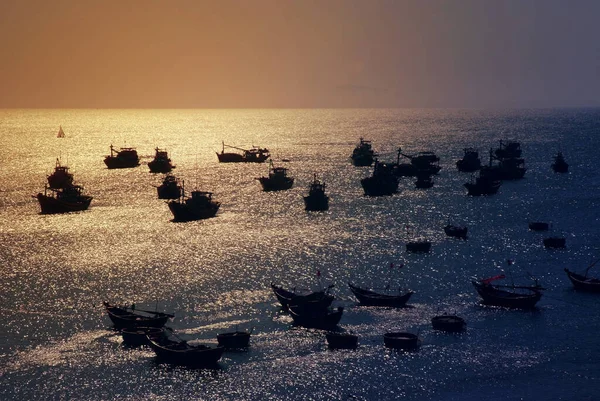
313, 203
51, 205
234, 339
401, 340
115, 162
269, 184
315, 300
449, 323
507, 299
237, 158
160, 166
182, 213
316, 318
127, 318
341, 340
583, 283
179, 353
371, 298
379, 186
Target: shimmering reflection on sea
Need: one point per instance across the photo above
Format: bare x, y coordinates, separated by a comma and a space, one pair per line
215, 274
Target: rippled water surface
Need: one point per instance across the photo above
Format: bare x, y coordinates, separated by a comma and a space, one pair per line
56, 341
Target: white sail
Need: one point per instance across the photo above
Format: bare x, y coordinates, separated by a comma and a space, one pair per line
61, 134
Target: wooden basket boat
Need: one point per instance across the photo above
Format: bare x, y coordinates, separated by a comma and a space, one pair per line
401, 340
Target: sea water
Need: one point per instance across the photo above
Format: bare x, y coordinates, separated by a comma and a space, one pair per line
56, 341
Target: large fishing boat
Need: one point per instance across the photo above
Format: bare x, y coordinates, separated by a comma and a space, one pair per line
316, 199
198, 206
161, 162
483, 184
470, 161
64, 200
170, 188
252, 155
123, 158
278, 179
61, 177
383, 181
363, 154
508, 150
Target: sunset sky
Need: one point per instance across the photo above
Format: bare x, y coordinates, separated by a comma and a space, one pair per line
280, 53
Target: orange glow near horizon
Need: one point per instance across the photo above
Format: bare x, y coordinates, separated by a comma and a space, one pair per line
267, 53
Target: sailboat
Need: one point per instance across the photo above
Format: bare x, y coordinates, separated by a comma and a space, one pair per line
61, 133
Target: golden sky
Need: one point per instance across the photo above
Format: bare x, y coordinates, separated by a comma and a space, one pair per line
305, 53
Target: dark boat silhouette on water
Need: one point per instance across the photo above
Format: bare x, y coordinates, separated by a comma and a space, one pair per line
369, 297
511, 168
424, 181
423, 163
449, 323
252, 155
508, 150
538, 226
470, 161
161, 162
234, 339
128, 316
198, 206
316, 200
401, 340
483, 184
180, 352
382, 182
508, 296
560, 165
277, 180
318, 299
123, 158
65, 200
582, 281
363, 154
341, 340
315, 317
170, 188
60, 177
456, 231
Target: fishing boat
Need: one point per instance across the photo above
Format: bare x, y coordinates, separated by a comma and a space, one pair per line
449, 323
424, 181
560, 165
555, 242
470, 161
138, 336
180, 352
508, 150
252, 155
401, 340
315, 317
508, 296
277, 180
60, 177
340, 340
123, 158
234, 339
368, 297
483, 185
65, 200
130, 317
319, 299
198, 206
507, 168
170, 188
161, 162
418, 246
538, 226
363, 154
383, 182
424, 163
456, 231
582, 281
316, 200
61, 133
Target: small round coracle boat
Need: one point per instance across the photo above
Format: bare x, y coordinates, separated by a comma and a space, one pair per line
138, 336
401, 340
449, 323
337, 340
234, 339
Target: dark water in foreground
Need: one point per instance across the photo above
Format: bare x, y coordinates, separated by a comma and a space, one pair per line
55, 341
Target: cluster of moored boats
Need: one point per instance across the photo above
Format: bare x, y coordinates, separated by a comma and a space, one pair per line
312, 309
